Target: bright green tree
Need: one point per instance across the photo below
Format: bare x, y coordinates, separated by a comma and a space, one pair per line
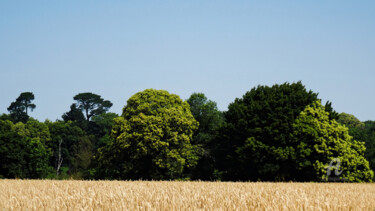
151, 140
320, 140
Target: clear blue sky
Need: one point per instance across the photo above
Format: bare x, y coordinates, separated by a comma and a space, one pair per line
57, 49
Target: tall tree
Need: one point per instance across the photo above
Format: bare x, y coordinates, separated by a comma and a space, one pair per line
151, 140
19, 108
92, 104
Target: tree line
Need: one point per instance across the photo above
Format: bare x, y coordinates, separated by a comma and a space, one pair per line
272, 133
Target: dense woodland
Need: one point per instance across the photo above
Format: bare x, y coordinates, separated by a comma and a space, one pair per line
278, 133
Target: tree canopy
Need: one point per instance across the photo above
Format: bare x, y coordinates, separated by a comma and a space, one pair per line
361, 131
320, 140
92, 104
23, 150
272, 133
151, 139
19, 109
350, 120
255, 143
210, 120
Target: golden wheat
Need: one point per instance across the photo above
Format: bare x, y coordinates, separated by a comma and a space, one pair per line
154, 195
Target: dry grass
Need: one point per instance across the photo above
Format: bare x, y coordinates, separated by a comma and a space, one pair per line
141, 195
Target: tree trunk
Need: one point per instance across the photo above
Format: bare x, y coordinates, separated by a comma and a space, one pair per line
59, 159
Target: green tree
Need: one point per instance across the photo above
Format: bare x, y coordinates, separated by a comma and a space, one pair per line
361, 131
12, 153
368, 136
350, 121
76, 116
92, 104
19, 108
320, 140
23, 153
255, 143
5, 117
210, 119
101, 128
74, 141
151, 140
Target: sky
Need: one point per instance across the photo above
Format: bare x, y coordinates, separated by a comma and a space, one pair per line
57, 49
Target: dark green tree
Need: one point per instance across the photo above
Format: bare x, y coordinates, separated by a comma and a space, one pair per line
92, 104
76, 116
5, 117
210, 119
151, 140
101, 128
23, 153
255, 142
74, 141
368, 136
19, 109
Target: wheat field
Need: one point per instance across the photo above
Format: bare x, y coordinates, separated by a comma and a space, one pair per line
171, 195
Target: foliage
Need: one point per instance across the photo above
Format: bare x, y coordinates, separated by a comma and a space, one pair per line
255, 143
92, 104
271, 133
151, 140
361, 131
76, 116
365, 132
74, 141
319, 140
210, 119
369, 139
82, 157
19, 109
101, 128
350, 121
23, 153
